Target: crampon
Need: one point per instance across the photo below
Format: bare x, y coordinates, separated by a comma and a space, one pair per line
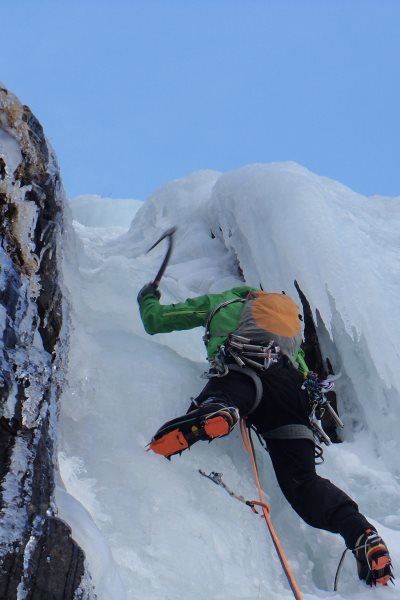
373, 560
208, 422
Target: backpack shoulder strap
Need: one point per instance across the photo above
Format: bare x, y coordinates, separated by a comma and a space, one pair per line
207, 334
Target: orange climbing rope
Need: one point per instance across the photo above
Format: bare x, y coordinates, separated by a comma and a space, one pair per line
266, 510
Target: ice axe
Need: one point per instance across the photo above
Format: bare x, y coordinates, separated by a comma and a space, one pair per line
169, 234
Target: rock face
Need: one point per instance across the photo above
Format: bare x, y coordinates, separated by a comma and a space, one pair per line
38, 557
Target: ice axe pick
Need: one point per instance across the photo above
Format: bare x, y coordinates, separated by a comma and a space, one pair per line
169, 234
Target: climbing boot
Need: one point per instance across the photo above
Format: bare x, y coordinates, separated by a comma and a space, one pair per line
373, 560
215, 419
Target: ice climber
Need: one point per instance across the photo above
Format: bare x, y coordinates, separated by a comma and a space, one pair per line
257, 372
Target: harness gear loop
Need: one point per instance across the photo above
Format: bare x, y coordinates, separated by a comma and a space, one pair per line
285, 565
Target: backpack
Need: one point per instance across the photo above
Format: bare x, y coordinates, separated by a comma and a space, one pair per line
270, 316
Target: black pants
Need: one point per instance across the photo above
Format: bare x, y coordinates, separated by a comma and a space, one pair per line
318, 501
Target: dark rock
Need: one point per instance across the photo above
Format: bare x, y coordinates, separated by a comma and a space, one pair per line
39, 560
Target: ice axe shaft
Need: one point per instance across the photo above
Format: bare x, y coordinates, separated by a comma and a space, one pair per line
169, 234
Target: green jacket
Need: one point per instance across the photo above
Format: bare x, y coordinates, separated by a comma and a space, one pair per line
194, 312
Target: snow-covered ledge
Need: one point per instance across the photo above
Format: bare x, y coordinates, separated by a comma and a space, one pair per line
38, 557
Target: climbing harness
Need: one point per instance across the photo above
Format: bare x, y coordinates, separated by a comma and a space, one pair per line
238, 354
293, 431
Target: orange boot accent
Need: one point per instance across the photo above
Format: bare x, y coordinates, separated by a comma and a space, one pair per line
378, 565
216, 427
169, 444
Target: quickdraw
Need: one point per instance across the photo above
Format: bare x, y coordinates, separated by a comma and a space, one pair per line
319, 403
217, 479
242, 352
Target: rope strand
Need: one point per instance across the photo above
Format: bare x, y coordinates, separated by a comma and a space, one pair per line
266, 510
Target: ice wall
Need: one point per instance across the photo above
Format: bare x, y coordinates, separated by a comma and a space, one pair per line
173, 534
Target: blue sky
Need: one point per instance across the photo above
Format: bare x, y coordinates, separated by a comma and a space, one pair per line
135, 93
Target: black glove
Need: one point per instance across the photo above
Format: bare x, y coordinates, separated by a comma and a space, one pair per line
150, 289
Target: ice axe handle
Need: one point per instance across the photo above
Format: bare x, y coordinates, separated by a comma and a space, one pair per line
169, 234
